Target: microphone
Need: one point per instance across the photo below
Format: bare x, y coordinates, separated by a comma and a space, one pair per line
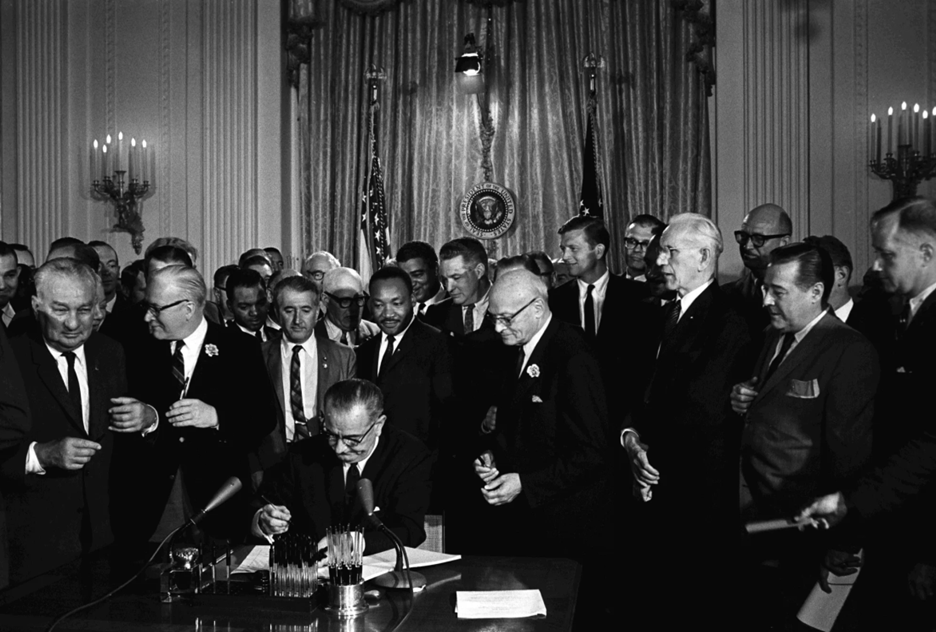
231, 486
398, 578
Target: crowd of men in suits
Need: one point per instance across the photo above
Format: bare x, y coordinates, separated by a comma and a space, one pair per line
544, 407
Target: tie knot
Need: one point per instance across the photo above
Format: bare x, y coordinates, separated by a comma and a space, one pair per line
297, 349
591, 286
70, 357
390, 340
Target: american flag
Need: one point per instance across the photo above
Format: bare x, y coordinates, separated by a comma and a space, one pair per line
374, 249
591, 202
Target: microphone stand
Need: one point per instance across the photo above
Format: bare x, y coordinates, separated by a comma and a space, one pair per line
399, 578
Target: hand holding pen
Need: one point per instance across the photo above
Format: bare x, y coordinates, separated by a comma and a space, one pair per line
274, 518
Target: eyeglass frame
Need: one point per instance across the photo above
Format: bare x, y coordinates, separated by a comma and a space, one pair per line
637, 242
155, 310
350, 441
360, 299
318, 275
507, 321
743, 238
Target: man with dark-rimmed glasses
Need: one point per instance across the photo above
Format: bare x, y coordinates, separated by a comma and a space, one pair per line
316, 486
343, 300
764, 229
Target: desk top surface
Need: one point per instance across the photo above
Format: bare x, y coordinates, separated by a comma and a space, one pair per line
33, 605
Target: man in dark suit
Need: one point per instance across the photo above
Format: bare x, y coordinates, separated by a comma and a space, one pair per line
316, 487
682, 440
110, 276
410, 361
215, 404
9, 282
463, 269
419, 260
247, 297
764, 229
302, 367
58, 472
546, 441
808, 412
600, 303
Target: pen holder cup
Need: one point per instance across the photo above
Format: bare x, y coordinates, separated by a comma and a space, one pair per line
347, 601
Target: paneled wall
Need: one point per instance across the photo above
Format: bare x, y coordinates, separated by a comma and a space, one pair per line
797, 83
202, 81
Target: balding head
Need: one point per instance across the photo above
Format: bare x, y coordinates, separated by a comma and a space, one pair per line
343, 298
519, 305
317, 265
765, 228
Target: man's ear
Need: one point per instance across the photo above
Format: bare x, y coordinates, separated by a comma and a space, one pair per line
480, 271
927, 251
600, 251
705, 256
817, 291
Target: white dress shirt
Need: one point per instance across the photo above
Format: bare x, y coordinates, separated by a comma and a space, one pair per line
7, 314
192, 350
308, 368
845, 310
81, 371
598, 298
111, 303
253, 334
396, 343
917, 301
480, 311
532, 342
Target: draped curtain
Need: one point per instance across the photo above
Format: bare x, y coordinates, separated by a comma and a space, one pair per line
652, 114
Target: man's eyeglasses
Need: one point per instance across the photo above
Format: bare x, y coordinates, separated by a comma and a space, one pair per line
633, 244
507, 321
156, 310
317, 275
758, 240
352, 441
344, 302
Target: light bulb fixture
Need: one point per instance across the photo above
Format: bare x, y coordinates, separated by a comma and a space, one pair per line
469, 67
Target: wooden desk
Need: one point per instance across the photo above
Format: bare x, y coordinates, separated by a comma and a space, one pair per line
33, 605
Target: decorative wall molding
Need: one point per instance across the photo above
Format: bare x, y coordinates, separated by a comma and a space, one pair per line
110, 63
41, 122
862, 105
229, 115
164, 183
776, 108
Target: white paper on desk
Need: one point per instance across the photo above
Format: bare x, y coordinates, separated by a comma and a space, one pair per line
821, 609
379, 563
257, 559
499, 604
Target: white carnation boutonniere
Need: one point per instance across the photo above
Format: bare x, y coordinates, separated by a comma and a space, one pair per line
211, 350
533, 370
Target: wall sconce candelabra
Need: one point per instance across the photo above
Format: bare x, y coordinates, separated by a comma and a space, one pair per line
123, 173
915, 146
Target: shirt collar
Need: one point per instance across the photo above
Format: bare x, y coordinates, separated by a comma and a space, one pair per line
686, 301
79, 353
438, 298
196, 339
308, 346
363, 462
845, 310
799, 335
601, 284
532, 342
918, 300
111, 303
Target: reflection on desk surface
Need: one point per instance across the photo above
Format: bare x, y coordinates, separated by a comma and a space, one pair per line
32, 606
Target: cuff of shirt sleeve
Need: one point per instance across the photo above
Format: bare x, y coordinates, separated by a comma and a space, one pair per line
154, 425
624, 433
255, 528
32, 461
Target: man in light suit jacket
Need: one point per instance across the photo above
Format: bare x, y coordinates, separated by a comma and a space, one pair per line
58, 478
808, 411
302, 367
316, 486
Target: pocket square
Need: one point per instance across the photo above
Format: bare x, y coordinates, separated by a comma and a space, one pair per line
902, 370
536, 399
804, 389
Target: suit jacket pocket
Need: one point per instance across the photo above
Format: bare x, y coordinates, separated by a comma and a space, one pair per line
804, 389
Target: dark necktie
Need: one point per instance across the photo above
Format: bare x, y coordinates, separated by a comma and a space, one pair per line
673, 311
386, 356
354, 475
422, 309
469, 318
788, 339
521, 357
590, 314
259, 335
344, 338
178, 367
74, 390
295, 396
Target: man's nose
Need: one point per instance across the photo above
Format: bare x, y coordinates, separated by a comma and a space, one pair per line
877, 266
662, 258
768, 299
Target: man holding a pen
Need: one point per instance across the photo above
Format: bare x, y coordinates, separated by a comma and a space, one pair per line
214, 401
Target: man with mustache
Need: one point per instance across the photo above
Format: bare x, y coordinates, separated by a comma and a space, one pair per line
302, 367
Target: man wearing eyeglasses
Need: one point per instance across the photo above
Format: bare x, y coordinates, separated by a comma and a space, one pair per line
214, 400
343, 299
316, 486
317, 265
637, 238
764, 229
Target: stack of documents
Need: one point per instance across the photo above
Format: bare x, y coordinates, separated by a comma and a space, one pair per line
499, 604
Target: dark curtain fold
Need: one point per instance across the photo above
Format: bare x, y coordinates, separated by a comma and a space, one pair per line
652, 114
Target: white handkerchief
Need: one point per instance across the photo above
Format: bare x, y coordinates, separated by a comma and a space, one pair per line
537, 400
499, 604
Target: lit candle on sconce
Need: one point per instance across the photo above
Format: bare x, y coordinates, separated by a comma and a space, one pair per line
874, 143
925, 141
145, 158
890, 130
118, 157
902, 125
106, 161
915, 140
95, 173
132, 159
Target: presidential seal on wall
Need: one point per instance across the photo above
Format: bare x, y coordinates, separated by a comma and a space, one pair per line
487, 210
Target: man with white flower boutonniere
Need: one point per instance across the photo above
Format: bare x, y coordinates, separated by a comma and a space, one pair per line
214, 400
544, 469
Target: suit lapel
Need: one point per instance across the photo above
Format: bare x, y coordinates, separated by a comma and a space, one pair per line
526, 380
201, 372
927, 311
324, 373
274, 362
406, 345
455, 322
48, 372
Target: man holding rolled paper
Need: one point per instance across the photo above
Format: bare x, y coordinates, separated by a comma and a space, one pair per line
316, 486
807, 413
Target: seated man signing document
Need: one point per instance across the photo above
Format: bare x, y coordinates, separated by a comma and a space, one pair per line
316, 486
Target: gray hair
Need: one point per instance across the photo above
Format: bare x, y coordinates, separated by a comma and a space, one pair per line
347, 394
186, 279
700, 228
68, 268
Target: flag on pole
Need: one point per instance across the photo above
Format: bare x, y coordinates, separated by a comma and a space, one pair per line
591, 202
374, 246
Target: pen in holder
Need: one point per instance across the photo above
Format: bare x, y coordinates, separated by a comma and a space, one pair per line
345, 558
293, 567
